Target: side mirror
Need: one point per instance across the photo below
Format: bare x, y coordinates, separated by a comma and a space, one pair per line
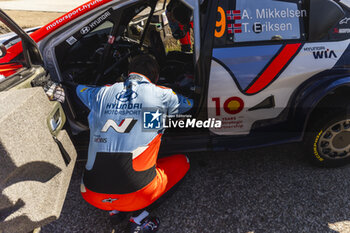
3, 51
324, 14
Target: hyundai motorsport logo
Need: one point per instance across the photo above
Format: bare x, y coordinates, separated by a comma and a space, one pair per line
126, 95
125, 126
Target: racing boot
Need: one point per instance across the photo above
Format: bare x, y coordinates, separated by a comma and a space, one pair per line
143, 223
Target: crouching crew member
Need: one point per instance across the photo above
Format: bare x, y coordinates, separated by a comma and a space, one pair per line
122, 173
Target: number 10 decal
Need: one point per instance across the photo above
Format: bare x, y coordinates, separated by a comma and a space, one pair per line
232, 105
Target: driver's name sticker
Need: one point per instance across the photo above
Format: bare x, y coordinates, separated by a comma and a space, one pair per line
278, 21
71, 40
264, 20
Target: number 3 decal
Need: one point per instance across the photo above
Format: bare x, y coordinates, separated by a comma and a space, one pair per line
221, 23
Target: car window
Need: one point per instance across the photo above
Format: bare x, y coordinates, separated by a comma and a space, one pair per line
102, 30
263, 20
138, 23
82, 45
5, 33
106, 27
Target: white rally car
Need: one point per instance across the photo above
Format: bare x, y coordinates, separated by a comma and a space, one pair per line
271, 71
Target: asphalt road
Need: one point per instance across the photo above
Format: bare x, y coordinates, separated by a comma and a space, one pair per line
264, 190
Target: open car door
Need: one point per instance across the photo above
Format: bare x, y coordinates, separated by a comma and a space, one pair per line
37, 156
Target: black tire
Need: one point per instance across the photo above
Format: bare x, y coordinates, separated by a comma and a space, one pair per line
327, 139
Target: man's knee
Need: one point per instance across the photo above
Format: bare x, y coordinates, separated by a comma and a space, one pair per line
172, 161
183, 161
175, 167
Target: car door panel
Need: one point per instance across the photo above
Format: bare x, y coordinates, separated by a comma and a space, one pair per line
246, 68
33, 170
224, 85
37, 156
259, 59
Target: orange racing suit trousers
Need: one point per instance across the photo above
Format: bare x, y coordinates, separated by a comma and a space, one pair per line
169, 171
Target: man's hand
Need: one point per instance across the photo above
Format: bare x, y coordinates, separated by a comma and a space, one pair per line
54, 91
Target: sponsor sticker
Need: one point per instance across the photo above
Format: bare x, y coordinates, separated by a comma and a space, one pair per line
232, 122
85, 30
99, 139
111, 39
125, 126
123, 108
73, 14
232, 105
321, 52
344, 21
94, 24
344, 30
71, 40
341, 30
317, 155
126, 95
109, 200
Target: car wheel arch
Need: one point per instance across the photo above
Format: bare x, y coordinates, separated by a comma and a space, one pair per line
309, 101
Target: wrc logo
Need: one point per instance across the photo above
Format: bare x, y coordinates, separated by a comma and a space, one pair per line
125, 125
324, 54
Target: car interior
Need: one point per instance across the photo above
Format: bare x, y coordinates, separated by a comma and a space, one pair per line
137, 29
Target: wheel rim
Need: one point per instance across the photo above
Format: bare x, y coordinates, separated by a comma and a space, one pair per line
334, 142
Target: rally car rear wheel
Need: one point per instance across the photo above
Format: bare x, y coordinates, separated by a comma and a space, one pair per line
328, 140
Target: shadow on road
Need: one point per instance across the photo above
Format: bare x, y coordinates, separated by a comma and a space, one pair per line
264, 190
11, 174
